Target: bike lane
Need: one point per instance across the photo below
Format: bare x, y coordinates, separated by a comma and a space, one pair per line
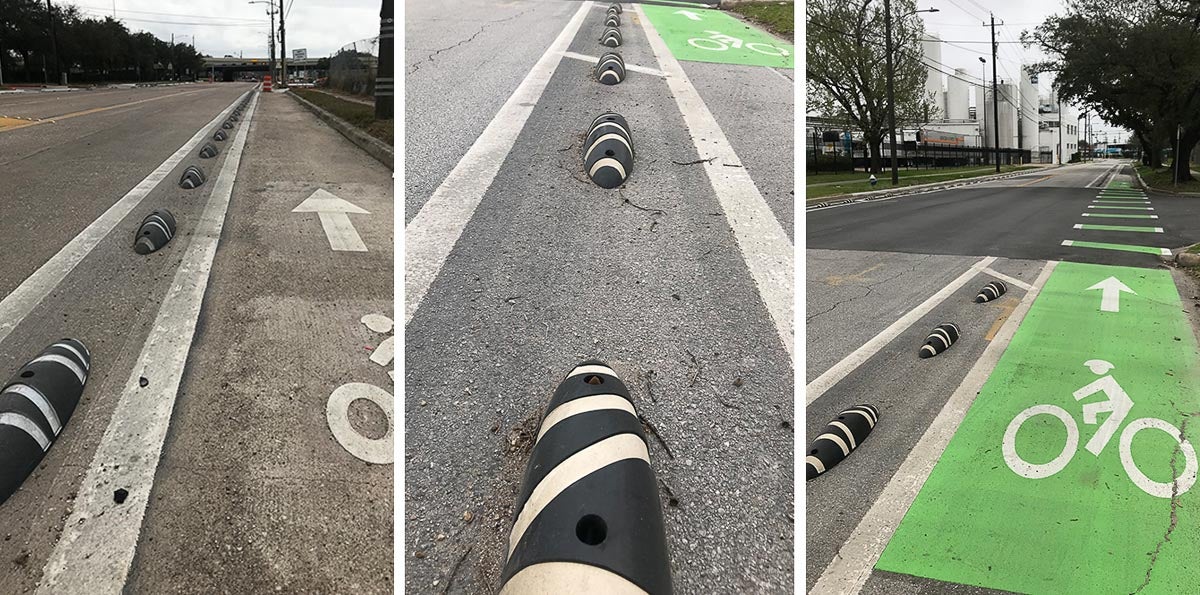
1036, 516
700, 35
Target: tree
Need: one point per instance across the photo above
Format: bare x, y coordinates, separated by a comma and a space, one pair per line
1135, 63
845, 67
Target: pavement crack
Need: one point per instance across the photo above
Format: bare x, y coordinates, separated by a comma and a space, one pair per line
870, 287
429, 58
1174, 518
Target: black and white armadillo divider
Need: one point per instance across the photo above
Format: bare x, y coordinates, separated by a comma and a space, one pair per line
991, 291
220, 135
588, 517
193, 177
155, 231
840, 438
611, 37
227, 125
940, 339
608, 151
612, 20
610, 69
208, 151
616, 7
35, 405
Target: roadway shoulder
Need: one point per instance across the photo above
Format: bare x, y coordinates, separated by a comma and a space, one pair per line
374, 147
841, 199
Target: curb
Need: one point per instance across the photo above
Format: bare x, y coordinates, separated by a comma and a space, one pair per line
373, 146
1162, 190
915, 189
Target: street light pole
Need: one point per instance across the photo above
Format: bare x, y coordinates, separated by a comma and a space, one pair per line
384, 87
54, 43
981, 108
891, 91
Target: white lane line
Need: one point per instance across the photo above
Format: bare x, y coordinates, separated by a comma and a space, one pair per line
1130, 208
765, 247
18, 304
853, 563
629, 67
840, 370
432, 234
1101, 176
1005, 278
94, 553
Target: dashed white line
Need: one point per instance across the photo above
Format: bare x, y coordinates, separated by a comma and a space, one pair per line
96, 549
853, 563
432, 234
1015, 282
629, 67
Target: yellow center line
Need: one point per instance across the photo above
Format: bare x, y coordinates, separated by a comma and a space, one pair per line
95, 110
1036, 181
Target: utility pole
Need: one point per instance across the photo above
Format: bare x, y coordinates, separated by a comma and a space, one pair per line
995, 94
54, 43
384, 88
282, 46
1060, 127
272, 44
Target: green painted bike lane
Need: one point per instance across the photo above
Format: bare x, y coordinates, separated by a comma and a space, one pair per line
1060, 477
701, 35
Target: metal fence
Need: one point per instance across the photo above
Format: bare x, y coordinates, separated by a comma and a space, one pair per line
352, 68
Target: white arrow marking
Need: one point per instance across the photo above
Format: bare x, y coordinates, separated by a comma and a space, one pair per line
689, 14
335, 219
1110, 300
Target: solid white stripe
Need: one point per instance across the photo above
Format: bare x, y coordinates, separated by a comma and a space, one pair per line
604, 138
98, 540
816, 463
18, 304
1010, 280
840, 370
849, 434
628, 67
577, 466
834, 438
853, 563
765, 247
64, 361
432, 234
607, 162
29, 426
40, 401
584, 405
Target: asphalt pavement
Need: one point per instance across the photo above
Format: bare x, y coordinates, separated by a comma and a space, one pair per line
239, 415
550, 269
881, 274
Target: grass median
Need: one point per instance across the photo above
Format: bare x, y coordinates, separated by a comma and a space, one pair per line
359, 115
820, 186
1160, 179
776, 17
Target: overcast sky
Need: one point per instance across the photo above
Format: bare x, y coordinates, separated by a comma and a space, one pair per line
225, 27
963, 20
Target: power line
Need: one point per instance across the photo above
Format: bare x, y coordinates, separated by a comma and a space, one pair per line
190, 24
169, 14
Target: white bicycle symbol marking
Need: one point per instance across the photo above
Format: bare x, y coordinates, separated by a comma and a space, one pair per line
1118, 406
719, 42
337, 408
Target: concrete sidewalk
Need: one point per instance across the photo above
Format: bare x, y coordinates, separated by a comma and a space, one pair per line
254, 492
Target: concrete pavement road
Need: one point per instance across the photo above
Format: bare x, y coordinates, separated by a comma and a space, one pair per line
237, 495
882, 274
550, 269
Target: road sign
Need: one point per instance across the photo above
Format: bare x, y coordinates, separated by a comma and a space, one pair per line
335, 220
300, 54
701, 35
1060, 477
